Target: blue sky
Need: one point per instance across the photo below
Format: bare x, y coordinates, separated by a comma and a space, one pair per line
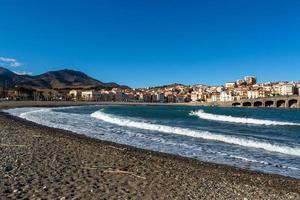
153, 42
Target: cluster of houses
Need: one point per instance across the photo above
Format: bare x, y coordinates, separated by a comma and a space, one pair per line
131, 95
246, 88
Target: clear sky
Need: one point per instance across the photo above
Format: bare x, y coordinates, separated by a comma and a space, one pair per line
153, 42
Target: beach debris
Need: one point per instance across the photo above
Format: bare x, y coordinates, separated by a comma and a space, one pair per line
122, 149
125, 172
37, 136
13, 145
97, 167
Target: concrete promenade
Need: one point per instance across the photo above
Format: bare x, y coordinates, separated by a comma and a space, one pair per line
275, 102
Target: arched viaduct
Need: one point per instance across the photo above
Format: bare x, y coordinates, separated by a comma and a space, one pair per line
275, 102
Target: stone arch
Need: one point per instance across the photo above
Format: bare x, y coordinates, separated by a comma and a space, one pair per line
280, 104
269, 103
293, 103
258, 104
236, 104
247, 104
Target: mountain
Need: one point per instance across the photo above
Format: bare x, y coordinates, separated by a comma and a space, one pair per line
6, 75
61, 79
9, 78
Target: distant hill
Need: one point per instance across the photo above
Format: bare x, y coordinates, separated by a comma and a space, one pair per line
169, 86
62, 79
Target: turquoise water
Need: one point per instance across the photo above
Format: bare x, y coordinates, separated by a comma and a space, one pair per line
266, 140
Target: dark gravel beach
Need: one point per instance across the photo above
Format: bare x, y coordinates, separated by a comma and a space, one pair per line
38, 162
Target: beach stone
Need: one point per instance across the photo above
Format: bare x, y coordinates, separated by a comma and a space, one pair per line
8, 191
8, 168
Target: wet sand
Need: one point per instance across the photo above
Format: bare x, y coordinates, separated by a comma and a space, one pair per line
38, 162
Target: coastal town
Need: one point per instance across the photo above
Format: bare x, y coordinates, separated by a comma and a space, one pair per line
242, 89
140, 100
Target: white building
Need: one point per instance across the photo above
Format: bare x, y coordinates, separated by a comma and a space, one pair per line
298, 88
287, 89
194, 96
220, 89
215, 97
75, 94
90, 95
230, 85
158, 97
252, 94
226, 96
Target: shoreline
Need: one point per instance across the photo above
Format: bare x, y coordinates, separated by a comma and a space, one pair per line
7, 104
16, 104
203, 179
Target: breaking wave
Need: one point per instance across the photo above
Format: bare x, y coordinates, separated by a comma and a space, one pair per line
227, 118
120, 121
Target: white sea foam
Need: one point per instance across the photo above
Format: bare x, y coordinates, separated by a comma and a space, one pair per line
25, 114
227, 118
263, 162
45, 116
196, 133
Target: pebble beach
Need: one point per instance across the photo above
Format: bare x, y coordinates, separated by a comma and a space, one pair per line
39, 162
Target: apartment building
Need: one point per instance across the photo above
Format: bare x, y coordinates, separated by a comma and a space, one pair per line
91, 95
226, 96
253, 94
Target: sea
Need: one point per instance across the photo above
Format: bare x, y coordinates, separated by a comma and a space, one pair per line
258, 139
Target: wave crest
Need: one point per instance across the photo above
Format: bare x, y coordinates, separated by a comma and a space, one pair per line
120, 121
227, 118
